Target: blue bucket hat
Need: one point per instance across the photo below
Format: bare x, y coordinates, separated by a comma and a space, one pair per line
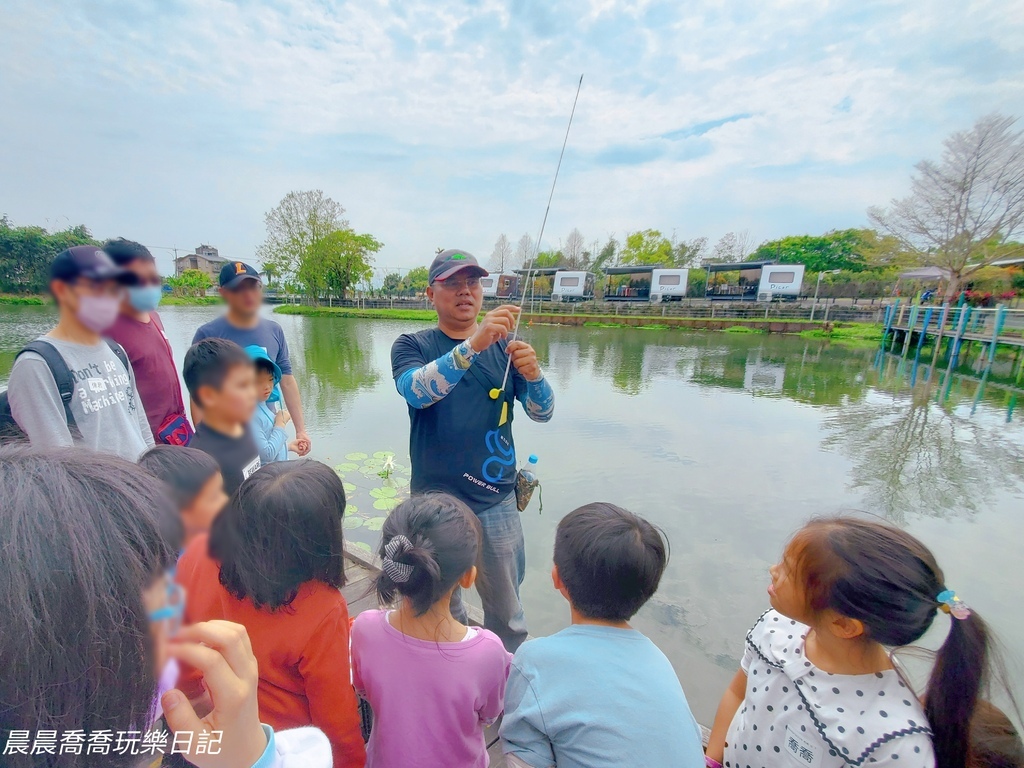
257, 352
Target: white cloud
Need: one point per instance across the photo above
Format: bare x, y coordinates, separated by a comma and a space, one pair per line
439, 122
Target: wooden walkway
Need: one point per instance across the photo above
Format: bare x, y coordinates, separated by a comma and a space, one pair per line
358, 591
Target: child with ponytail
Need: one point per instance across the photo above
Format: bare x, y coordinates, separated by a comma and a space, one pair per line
817, 682
432, 682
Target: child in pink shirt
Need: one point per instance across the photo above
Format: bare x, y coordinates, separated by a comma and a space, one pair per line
432, 682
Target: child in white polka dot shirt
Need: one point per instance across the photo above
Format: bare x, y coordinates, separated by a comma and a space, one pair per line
817, 685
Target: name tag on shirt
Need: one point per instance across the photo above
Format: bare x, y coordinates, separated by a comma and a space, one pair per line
250, 469
800, 749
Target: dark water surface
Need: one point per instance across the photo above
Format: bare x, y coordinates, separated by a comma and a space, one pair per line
729, 442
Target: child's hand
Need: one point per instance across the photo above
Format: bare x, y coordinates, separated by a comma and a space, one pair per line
282, 418
293, 446
221, 651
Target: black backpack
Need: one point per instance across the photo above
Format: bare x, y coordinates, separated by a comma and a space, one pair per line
63, 377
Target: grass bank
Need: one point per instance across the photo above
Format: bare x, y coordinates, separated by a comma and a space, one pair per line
190, 301
11, 299
855, 334
426, 315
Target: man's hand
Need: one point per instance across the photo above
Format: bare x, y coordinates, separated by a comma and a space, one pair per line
282, 418
303, 444
524, 358
222, 652
496, 325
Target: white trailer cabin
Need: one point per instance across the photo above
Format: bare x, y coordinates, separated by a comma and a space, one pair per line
490, 286
780, 281
669, 284
573, 286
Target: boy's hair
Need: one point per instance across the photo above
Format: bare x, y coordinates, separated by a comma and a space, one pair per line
126, 251
610, 560
81, 544
281, 529
208, 362
183, 470
431, 540
263, 365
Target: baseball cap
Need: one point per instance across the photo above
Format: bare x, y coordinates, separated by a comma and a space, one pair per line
234, 273
447, 263
89, 262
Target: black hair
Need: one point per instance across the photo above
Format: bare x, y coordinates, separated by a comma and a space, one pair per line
208, 362
126, 251
610, 560
263, 365
81, 544
281, 529
995, 741
889, 581
445, 539
182, 469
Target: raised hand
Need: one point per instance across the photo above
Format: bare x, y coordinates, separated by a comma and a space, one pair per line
524, 358
496, 325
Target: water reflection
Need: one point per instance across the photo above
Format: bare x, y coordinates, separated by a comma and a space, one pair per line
337, 362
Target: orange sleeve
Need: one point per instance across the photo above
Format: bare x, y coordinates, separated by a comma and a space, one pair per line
187, 574
324, 667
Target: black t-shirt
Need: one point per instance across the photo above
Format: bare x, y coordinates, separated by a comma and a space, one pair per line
238, 456
456, 445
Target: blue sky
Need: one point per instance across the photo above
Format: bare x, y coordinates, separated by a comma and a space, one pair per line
179, 122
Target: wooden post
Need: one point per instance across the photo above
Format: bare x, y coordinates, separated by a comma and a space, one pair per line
939, 330
911, 324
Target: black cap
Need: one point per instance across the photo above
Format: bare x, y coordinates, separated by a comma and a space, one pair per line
234, 273
447, 263
89, 262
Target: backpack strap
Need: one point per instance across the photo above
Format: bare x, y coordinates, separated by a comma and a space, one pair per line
63, 377
118, 350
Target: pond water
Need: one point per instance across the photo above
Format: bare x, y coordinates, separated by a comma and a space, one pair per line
729, 442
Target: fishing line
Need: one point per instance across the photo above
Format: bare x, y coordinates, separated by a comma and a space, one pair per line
496, 393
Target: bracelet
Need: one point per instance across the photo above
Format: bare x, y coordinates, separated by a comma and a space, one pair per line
710, 762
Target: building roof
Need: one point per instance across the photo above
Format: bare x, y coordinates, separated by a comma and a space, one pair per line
207, 256
635, 269
541, 270
925, 273
738, 266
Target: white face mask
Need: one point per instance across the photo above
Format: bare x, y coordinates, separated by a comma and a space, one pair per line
97, 313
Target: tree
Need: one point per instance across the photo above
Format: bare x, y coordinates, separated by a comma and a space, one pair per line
416, 281
524, 251
648, 247
392, 284
731, 248
964, 209
336, 262
575, 250
819, 253
296, 225
548, 259
608, 256
191, 282
26, 253
689, 253
501, 256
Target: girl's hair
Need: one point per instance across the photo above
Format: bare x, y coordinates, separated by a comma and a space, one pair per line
281, 529
81, 544
441, 542
995, 742
184, 470
889, 581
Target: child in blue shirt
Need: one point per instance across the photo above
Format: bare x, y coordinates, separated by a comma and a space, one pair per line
600, 694
268, 424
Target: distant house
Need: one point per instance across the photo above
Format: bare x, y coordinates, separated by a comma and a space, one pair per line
206, 259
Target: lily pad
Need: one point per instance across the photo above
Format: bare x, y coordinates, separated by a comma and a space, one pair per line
386, 504
348, 467
383, 493
361, 545
349, 488
352, 522
356, 456
383, 455
375, 523
351, 509
396, 481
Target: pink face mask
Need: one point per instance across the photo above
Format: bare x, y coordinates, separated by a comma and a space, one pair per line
97, 313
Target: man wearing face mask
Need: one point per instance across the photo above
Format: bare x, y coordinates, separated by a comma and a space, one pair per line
102, 410
140, 331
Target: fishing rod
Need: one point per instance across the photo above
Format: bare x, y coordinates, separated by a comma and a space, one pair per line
496, 393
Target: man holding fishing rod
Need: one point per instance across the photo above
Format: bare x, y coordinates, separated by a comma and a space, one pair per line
461, 380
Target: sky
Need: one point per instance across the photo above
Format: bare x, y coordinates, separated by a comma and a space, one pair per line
438, 123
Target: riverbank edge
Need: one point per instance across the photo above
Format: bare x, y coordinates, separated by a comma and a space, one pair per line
845, 332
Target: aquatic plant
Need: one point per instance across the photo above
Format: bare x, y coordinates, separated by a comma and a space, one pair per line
374, 485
